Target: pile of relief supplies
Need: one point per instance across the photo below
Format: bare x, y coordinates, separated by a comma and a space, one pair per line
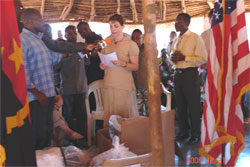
73, 156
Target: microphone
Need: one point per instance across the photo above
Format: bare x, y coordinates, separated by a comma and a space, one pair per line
100, 45
104, 43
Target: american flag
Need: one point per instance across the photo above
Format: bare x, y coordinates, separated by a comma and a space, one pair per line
228, 75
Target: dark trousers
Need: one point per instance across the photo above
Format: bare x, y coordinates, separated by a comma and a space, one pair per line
187, 99
42, 123
74, 112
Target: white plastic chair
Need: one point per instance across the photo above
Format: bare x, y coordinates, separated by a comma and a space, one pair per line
168, 94
97, 114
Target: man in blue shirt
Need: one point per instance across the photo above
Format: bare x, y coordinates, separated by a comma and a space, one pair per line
38, 61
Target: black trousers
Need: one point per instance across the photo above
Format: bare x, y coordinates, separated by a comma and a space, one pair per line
187, 99
42, 123
74, 112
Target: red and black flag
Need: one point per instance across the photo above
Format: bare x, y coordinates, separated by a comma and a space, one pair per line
16, 139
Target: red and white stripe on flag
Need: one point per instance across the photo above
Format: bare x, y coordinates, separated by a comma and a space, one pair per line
228, 78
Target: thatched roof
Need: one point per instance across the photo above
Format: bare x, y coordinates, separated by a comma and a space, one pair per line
131, 10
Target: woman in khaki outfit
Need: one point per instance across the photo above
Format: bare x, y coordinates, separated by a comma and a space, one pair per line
119, 97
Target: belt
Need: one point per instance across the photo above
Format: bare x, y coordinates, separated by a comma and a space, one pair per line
179, 71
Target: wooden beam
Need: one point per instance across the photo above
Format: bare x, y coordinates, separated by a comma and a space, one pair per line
183, 6
210, 4
42, 7
161, 9
66, 10
133, 8
92, 13
164, 10
118, 6
153, 75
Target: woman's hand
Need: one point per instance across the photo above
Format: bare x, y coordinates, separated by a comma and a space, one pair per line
103, 66
119, 63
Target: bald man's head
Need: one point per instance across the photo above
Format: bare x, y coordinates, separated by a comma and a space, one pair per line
32, 20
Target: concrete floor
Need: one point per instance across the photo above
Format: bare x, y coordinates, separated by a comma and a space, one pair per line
192, 152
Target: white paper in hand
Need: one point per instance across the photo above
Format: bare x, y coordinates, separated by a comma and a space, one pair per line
108, 58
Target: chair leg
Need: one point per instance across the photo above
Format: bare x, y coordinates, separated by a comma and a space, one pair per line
89, 131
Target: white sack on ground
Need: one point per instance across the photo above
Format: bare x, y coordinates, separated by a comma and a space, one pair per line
119, 151
49, 157
52, 157
76, 157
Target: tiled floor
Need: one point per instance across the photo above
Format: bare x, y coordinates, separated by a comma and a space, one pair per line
192, 158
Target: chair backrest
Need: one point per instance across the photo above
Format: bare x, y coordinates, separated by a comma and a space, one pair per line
96, 88
168, 95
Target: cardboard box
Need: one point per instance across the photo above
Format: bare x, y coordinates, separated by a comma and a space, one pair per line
103, 143
136, 136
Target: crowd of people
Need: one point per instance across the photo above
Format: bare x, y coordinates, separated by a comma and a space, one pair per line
58, 73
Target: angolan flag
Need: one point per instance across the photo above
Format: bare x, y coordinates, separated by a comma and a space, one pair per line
228, 74
16, 138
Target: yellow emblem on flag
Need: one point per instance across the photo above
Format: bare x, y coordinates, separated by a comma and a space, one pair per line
2, 156
16, 56
18, 119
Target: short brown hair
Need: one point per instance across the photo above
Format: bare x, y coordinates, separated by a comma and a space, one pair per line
117, 17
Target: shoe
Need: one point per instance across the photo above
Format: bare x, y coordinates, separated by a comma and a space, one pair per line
181, 137
193, 140
75, 136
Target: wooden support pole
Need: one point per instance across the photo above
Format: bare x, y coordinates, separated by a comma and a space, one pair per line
183, 6
210, 4
118, 6
161, 9
66, 10
42, 7
164, 10
92, 13
133, 8
154, 89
